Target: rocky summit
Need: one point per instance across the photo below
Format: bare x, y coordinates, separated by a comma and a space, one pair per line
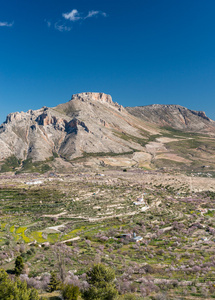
88, 123
92, 127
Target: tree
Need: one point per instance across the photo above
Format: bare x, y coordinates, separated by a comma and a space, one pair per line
70, 292
100, 274
101, 280
54, 283
61, 251
19, 266
15, 290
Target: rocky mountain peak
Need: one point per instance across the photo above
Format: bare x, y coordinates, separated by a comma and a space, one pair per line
93, 96
88, 123
98, 97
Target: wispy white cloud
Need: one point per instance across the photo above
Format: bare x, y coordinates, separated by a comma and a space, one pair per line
6, 24
61, 27
49, 24
93, 13
74, 15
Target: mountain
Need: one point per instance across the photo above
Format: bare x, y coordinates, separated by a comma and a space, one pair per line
175, 116
88, 123
92, 130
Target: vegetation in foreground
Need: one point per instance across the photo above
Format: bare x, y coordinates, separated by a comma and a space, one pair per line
53, 235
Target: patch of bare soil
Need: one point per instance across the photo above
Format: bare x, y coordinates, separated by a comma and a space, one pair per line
154, 147
174, 157
166, 140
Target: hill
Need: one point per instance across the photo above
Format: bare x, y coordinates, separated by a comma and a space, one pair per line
92, 130
175, 116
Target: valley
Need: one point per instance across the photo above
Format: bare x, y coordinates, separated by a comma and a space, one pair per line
83, 215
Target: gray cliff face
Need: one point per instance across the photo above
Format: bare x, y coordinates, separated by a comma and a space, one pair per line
89, 123
175, 116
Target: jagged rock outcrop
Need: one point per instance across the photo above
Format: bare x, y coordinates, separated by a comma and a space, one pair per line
88, 123
93, 96
175, 116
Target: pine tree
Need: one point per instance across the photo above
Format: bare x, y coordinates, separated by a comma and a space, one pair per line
101, 283
54, 283
19, 266
15, 289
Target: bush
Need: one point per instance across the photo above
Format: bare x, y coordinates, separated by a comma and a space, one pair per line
107, 292
10, 164
70, 292
100, 274
130, 297
55, 154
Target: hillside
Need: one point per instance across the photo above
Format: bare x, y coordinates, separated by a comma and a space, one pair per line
88, 123
175, 116
94, 131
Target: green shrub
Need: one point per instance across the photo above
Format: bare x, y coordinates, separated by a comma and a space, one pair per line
101, 280
10, 290
100, 274
19, 266
38, 166
70, 292
10, 164
54, 283
55, 154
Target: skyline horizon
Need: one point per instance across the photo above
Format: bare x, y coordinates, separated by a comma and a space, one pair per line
171, 104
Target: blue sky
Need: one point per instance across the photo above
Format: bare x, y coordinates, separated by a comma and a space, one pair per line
141, 52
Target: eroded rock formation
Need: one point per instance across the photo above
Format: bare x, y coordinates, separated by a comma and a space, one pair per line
88, 123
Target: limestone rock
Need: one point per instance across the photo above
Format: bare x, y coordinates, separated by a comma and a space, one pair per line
91, 124
88, 123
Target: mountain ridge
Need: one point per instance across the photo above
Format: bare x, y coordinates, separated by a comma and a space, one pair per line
88, 119
185, 119
91, 124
